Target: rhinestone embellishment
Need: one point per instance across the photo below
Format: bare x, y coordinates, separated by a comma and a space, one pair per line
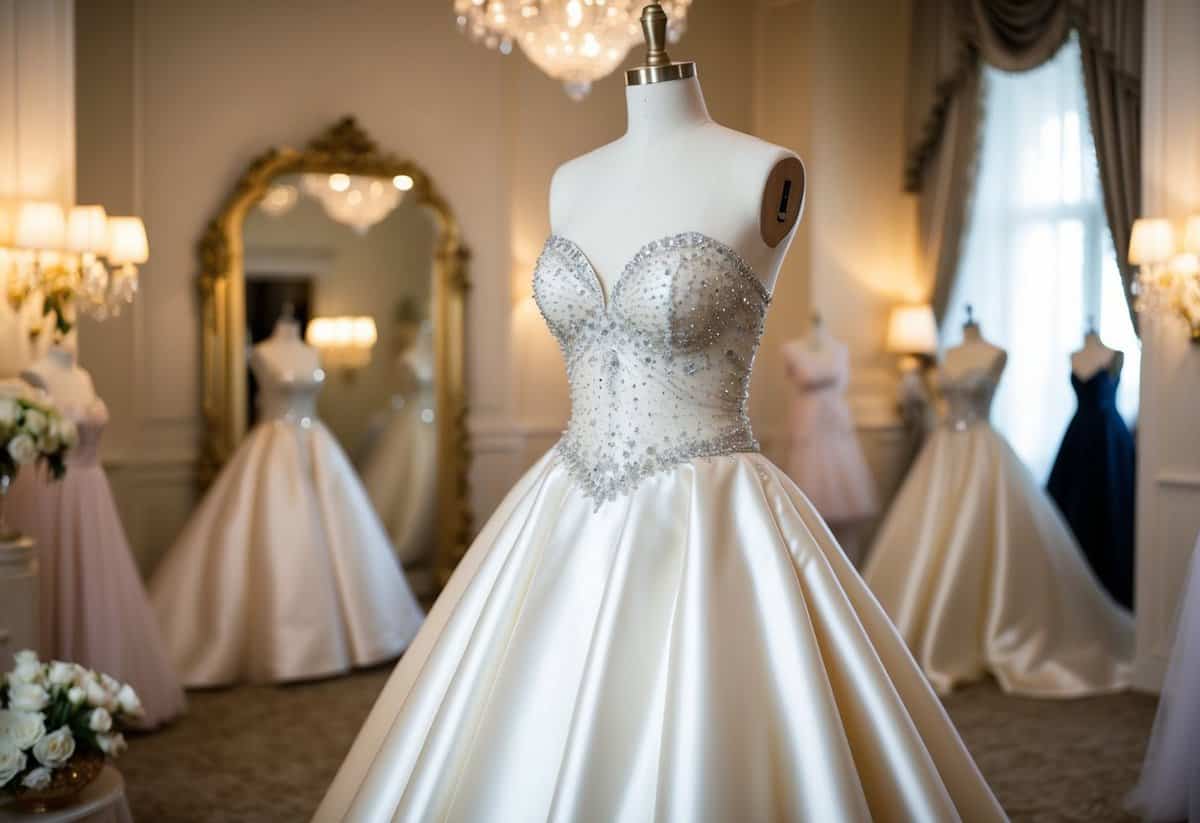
659, 370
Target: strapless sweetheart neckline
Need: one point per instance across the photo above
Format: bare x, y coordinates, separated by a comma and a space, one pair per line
607, 298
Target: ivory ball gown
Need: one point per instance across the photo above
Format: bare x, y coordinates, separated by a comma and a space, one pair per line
284, 571
656, 625
93, 608
981, 574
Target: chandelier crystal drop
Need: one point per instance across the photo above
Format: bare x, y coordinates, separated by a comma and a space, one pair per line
575, 41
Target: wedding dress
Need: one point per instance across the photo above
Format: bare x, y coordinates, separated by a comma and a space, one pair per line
656, 624
283, 572
1169, 788
826, 459
93, 608
980, 572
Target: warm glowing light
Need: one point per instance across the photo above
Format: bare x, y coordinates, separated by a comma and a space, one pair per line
339, 181
402, 182
345, 342
912, 330
1191, 234
1152, 241
87, 230
41, 226
127, 242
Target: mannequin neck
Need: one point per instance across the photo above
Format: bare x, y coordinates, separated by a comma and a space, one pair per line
659, 108
287, 331
971, 333
1092, 339
61, 356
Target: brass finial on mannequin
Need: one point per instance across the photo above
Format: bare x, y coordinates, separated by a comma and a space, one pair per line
658, 67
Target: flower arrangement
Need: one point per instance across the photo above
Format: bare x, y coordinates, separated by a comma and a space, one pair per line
31, 431
58, 723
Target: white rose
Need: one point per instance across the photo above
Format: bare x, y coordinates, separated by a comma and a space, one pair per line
96, 693
9, 410
23, 449
35, 421
112, 745
129, 701
37, 779
26, 656
61, 673
100, 720
68, 433
27, 671
12, 763
55, 749
76, 695
27, 697
21, 729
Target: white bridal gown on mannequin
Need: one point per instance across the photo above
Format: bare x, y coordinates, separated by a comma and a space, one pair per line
656, 624
980, 572
284, 571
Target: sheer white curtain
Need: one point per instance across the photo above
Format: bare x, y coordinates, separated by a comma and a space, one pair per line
1038, 265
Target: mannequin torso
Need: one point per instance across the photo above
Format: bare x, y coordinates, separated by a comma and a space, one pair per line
58, 374
286, 354
1094, 358
974, 353
673, 171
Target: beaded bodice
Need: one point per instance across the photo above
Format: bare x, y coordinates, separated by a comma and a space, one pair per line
90, 423
659, 370
967, 397
289, 398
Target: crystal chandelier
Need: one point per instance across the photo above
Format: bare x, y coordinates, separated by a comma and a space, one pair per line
355, 200
1168, 281
575, 41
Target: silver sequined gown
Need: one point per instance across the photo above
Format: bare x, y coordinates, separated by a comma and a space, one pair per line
655, 625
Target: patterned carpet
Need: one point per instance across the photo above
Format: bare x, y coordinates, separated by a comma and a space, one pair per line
265, 755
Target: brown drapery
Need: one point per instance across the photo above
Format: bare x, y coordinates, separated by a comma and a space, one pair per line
950, 40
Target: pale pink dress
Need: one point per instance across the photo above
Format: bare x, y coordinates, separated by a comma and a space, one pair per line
825, 458
93, 607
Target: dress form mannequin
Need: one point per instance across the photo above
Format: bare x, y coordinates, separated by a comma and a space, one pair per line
1095, 357
58, 373
285, 352
673, 171
974, 353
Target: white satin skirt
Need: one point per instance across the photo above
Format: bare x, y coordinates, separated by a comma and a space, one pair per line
696, 650
982, 576
1169, 787
283, 572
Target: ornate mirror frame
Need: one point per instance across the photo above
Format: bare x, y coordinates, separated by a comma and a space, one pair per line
345, 147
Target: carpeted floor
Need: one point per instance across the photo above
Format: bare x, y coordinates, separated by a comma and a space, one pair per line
267, 754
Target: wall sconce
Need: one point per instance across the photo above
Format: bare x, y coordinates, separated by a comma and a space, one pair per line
1168, 279
912, 334
345, 343
81, 257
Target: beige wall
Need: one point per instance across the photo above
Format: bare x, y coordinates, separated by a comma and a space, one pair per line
1168, 450
175, 98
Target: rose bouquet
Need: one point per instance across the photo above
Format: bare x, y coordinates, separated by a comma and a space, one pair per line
58, 723
31, 431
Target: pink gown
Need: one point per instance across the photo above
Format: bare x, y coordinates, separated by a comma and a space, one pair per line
826, 460
93, 607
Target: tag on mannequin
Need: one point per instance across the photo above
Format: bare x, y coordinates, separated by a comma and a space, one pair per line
782, 198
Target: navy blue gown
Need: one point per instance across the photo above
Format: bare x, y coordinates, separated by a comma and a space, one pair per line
1093, 483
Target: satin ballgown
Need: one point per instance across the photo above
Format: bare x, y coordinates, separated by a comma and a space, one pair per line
981, 574
283, 572
93, 608
656, 624
1092, 483
1169, 788
826, 459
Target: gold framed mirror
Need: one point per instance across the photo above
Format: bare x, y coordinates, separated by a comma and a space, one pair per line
404, 311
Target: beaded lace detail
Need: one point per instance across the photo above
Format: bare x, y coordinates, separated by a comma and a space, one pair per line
659, 370
967, 398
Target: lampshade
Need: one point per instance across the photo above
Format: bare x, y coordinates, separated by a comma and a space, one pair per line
87, 229
912, 330
1151, 241
7, 226
127, 241
40, 226
1191, 234
328, 332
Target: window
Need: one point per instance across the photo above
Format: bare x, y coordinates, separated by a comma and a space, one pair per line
1038, 265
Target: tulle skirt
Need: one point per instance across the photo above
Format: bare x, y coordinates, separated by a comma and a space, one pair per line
696, 650
93, 607
283, 572
981, 575
1169, 788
